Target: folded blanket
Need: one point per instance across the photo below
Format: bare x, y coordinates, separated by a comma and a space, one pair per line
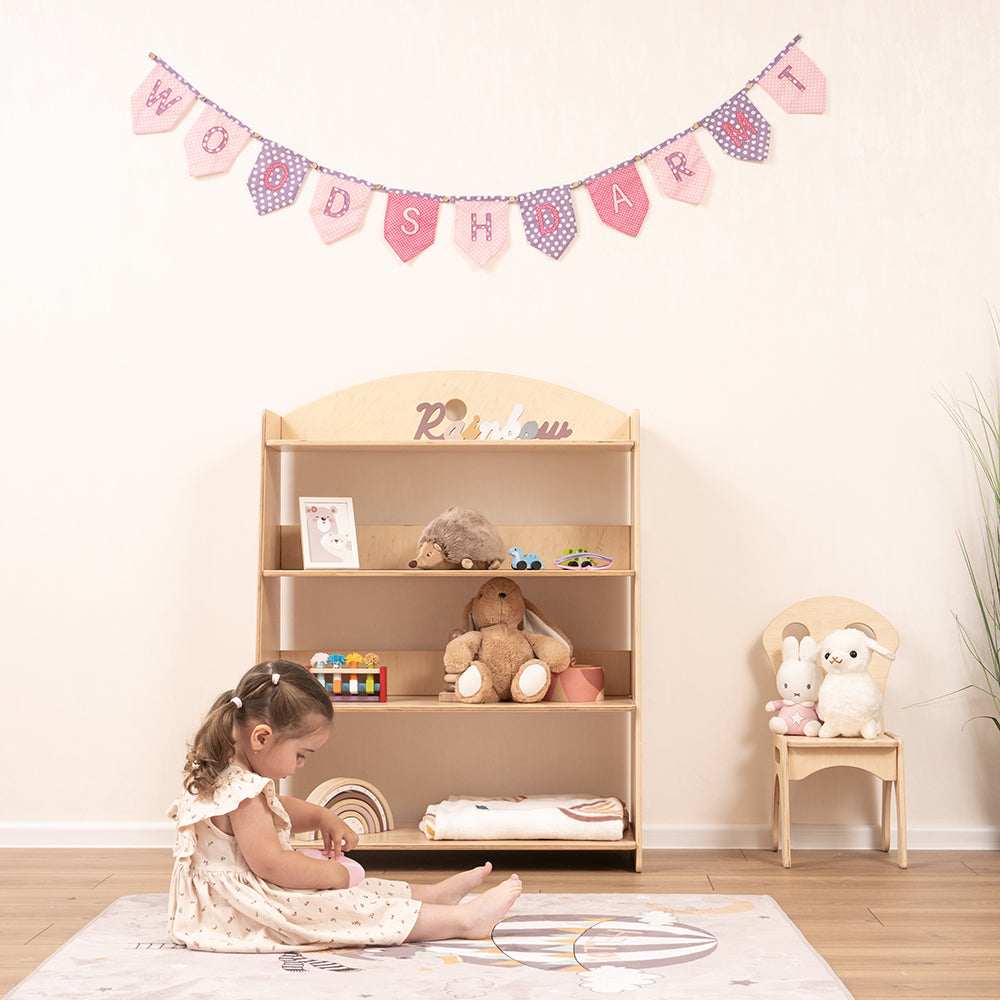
526, 817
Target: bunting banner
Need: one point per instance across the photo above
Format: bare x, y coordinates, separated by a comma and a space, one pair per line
481, 229
339, 202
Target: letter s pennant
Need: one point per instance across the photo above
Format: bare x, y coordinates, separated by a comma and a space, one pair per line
549, 219
410, 224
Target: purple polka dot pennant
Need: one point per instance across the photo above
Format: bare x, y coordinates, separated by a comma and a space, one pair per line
549, 219
740, 129
276, 177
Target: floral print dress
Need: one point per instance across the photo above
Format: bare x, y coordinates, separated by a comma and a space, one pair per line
218, 904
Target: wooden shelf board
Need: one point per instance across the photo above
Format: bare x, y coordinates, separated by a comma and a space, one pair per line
431, 703
408, 837
296, 444
468, 574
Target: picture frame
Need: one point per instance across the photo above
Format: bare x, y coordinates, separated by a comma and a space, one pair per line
329, 534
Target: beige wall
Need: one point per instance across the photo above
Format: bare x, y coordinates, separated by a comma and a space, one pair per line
783, 343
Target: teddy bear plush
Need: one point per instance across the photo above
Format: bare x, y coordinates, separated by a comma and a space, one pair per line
459, 538
508, 651
850, 700
798, 681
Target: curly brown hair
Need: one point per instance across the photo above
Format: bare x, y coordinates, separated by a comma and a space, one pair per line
288, 705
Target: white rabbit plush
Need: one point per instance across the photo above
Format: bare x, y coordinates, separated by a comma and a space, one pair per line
850, 701
798, 681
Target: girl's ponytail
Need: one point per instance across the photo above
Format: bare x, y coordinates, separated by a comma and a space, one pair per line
282, 694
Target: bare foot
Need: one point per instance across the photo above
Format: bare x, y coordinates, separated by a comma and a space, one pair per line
454, 889
481, 914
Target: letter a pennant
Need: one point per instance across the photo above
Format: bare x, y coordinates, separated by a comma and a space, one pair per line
681, 170
159, 102
481, 229
410, 224
213, 143
338, 206
740, 129
276, 177
549, 219
620, 199
796, 83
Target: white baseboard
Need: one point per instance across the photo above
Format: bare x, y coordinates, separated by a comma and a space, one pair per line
817, 838
654, 837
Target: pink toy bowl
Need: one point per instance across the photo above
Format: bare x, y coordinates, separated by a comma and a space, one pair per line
578, 683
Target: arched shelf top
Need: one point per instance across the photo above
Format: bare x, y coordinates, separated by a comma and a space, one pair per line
424, 405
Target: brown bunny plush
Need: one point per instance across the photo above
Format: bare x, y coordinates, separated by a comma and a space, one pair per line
509, 651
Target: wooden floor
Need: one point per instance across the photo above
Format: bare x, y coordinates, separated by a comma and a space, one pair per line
931, 932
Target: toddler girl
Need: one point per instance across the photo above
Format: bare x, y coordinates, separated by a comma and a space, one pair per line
238, 886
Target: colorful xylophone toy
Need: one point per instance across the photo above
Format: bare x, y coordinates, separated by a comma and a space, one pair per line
350, 678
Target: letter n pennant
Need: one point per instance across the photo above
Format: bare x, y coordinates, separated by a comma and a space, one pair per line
549, 219
213, 143
796, 83
159, 102
481, 229
410, 224
338, 206
740, 129
276, 177
620, 199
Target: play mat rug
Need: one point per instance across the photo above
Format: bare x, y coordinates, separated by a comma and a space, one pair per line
708, 947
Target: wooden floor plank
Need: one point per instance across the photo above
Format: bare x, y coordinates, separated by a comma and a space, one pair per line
931, 932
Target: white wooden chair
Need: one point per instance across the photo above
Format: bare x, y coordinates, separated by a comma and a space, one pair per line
797, 757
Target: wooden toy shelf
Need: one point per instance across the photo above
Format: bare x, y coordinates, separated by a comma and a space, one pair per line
544, 496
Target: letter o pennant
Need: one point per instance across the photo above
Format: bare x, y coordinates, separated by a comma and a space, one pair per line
213, 143
276, 177
338, 207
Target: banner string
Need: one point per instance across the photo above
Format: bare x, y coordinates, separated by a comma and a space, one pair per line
513, 199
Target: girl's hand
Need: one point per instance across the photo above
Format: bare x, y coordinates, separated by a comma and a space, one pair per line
337, 836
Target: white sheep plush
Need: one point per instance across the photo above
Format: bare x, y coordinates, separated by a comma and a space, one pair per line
798, 681
850, 701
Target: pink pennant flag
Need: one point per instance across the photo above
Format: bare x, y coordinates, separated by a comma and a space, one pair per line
338, 207
796, 83
410, 224
213, 143
620, 199
681, 170
159, 102
481, 229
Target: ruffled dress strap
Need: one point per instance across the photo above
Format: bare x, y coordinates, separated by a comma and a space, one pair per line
234, 786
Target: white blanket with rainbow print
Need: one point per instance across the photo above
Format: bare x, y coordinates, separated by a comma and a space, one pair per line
526, 817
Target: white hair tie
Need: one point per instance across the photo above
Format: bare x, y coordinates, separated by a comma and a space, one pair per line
275, 678
236, 702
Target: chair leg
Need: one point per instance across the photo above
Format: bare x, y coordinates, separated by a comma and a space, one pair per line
900, 810
886, 813
775, 805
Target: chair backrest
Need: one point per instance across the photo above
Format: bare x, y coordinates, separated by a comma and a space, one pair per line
819, 616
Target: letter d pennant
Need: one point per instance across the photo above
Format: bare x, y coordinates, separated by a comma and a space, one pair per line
549, 219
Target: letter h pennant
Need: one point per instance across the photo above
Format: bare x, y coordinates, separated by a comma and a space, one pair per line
481, 229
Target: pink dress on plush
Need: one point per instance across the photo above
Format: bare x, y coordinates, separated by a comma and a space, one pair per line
218, 904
